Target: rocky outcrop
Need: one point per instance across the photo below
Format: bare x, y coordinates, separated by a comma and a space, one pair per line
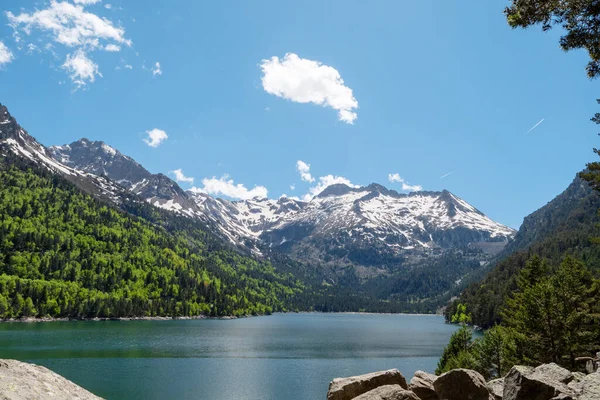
422, 385
545, 382
388, 392
22, 381
352, 387
462, 384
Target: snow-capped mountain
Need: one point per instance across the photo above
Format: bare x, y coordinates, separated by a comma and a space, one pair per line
98, 158
15, 140
366, 226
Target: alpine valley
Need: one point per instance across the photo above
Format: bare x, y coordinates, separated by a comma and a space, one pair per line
385, 250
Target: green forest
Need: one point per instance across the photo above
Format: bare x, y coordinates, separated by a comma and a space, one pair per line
65, 254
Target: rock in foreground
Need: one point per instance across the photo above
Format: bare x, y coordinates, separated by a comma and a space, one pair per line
22, 381
422, 385
349, 388
462, 384
388, 392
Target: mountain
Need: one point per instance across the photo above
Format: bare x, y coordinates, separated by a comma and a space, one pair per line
564, 226
418, 248
372, 228
365, 226
15, 140
98, 158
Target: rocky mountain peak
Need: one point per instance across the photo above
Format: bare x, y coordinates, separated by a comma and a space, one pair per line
337, 189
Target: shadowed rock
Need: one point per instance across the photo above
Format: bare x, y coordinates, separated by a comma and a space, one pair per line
462, 384
22, 381
526, 383
354, 386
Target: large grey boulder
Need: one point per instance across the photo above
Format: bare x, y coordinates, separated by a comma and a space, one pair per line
526, 383
461, 384
354, 386
22, 381
496, 388
554, 372
588, 388
422, 385
388, 392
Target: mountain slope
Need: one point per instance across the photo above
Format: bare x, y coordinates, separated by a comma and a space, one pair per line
368, 227
100, 159
563, 227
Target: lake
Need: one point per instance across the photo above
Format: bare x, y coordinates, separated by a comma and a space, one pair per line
283, 356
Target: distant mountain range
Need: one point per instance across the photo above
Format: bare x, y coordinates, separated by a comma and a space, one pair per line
367, 226
353, 234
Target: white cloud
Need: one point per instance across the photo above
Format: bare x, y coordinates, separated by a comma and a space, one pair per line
324, 182
396, 178
128, 66
6, 56
225, 186
86, 2
155, 137
70, 25
81, 69
180, 177
108, 6
306, 81
156, 69
304, 170
293, 186
447, 175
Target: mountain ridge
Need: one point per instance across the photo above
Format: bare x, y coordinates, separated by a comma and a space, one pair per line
353, 218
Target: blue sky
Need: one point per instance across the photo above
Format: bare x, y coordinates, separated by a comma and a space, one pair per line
440, 87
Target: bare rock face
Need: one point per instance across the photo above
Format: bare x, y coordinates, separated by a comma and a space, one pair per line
22, 381
496, 388
526, 383
388, 392
422, 385
462, 384
354, 386
588, 388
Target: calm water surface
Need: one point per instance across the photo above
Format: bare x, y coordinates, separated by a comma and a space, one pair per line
285, 356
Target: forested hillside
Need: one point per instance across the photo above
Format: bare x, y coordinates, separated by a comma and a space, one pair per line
65, 254
565, 226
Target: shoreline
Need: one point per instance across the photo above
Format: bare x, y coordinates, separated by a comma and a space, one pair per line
30, 320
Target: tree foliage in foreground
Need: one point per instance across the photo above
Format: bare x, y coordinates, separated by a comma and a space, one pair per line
580, 19
492, 355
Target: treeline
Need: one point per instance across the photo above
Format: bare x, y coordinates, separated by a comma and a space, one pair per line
553, 316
